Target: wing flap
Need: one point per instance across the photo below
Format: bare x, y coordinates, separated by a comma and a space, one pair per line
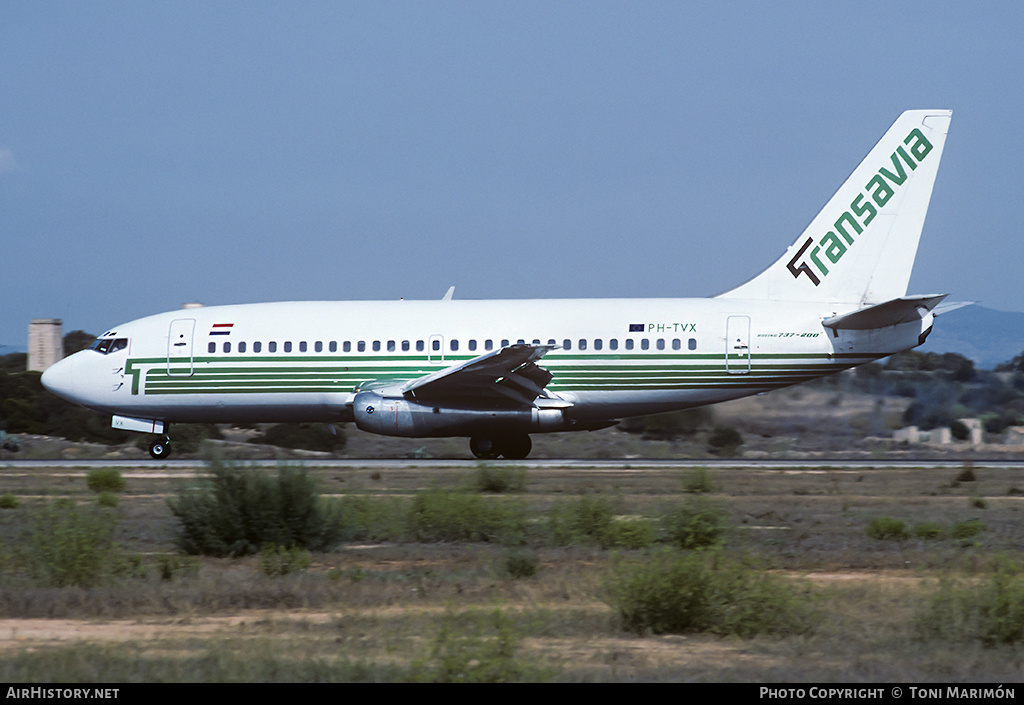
508, 376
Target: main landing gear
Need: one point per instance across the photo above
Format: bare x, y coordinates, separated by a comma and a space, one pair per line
160, 448
514, 447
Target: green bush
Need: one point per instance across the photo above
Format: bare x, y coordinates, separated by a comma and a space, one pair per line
236, 511
585, 520
697, 523
966, 529
630, 532
699, 481
170, 564
929, 530
476, 648
516, 563
8, 501
305, 436
279, 560
107, 499
724, 440
990, 611
499, 479
672, 592
440, 515
70, 545
672, 425
372, 518
888, 529
105, 480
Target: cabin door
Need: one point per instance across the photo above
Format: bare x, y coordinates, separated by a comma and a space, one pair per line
737, 345
179, 347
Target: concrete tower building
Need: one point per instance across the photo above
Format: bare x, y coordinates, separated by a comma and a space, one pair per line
45, 343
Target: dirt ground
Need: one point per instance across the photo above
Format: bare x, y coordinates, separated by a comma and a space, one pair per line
387, 602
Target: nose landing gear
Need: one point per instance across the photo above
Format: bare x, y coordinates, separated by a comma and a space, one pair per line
160, 448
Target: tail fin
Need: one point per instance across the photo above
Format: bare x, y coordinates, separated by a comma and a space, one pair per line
860, 248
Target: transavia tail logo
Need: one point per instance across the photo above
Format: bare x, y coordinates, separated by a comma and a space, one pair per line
877, 192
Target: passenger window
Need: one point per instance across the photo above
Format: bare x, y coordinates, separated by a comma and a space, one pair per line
391, 346
376, 346
212, 347
536, 341
598, 344
677, 344
241, 347
435, 344
257, 346
472, 345
419, 346
227, 347
613, 344
288, 346
629, 343
567, 344
405, 346
361, 346
318, 346
302, 346
332, 346
488, 344
272, 346
692, 344
661, 343
583, 344
645, 344
504, 343
454, 345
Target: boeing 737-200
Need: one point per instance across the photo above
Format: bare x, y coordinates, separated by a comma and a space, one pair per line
837, 298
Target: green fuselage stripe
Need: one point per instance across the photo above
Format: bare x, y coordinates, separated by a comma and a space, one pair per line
231, 374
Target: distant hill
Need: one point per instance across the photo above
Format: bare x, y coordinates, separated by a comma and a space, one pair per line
986, 336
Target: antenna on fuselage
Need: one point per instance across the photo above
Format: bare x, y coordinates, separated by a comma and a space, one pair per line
449, 294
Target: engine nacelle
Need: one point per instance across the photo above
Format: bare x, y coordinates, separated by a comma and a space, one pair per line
396, 416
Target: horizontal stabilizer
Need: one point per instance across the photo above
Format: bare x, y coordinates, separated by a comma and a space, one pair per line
951, 306
890, 313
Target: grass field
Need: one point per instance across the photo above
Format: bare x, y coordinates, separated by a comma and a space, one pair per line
531, 604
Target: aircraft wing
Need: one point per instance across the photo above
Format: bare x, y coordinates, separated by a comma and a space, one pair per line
509, 376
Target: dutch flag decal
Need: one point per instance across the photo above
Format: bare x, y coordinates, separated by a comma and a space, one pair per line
221, 329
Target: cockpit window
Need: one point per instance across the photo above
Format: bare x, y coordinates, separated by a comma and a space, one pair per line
109, 345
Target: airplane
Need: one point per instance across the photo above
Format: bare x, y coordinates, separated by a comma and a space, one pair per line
835, 299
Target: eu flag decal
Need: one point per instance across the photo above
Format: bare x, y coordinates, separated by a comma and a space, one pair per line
636, 327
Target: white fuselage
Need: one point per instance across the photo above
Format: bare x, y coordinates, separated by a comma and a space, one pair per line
302, 361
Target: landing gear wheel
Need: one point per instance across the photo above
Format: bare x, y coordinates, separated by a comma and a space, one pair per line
160, 449
484, 448
516, 447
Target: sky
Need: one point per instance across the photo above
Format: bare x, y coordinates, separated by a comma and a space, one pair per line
158, 153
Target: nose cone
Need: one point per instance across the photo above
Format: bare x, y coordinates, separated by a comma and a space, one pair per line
60, 379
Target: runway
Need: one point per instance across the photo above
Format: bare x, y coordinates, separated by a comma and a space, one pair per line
617, 465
